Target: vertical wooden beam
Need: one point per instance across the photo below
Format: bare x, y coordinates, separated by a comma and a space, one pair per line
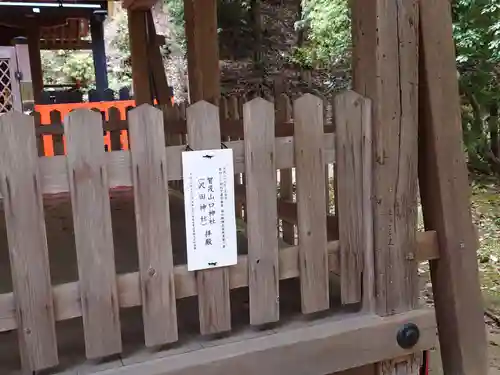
137, 26
160, 83
203, 130
33, 32
202, 50
385, 69
444, 189
99, 53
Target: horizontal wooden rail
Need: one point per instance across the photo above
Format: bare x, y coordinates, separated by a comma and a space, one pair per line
54, 174
287, 211
299, 349
228, 128
67, 303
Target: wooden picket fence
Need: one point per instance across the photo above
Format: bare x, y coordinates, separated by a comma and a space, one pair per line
265, 137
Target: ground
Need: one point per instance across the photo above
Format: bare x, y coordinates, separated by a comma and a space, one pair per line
486, 215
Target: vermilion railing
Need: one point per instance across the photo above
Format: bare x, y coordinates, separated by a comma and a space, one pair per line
45, 109
122, 105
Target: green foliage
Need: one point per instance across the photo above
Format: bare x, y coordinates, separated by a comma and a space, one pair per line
476, 27
68, 67
118, 51
328, 28
175, 9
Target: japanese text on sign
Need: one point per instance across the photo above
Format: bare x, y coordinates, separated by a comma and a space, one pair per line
210, 214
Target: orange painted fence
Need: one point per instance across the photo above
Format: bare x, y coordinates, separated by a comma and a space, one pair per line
47, 111
50, 113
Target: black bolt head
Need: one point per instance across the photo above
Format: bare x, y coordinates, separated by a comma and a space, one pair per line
408, 336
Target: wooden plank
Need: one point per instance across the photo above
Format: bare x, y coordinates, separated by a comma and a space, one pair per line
152, 217
232, 127
213, 285
33, 33
54, 175
323, 347
283, 114
155, 58
67, 302
139, 53
349, 116
261, 215
91, 215
308, 115
385, 69
369, 301
445, 193
27, 239
202, 50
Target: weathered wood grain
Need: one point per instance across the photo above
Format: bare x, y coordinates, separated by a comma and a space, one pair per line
369, 301
385, 69
308, 115
350, 114
445, 193
156, 67
213, 285
152, 217
54, 175
88, 182
27, 240
67, 302
137, 24
260, 171
203, 50
323, 347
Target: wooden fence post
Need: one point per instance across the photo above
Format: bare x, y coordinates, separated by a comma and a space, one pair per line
385, 69
444, 189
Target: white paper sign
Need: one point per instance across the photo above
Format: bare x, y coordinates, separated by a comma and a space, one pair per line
208, 180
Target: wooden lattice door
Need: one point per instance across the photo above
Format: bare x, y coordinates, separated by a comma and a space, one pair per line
9, 87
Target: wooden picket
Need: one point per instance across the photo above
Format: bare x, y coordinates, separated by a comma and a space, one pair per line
260, 171
309, 151
152, 214
88, 185
20, 184
213, 285
326, 245
350, 115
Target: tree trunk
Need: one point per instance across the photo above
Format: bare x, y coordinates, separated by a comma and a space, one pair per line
493, 127
257, 33
300, 31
